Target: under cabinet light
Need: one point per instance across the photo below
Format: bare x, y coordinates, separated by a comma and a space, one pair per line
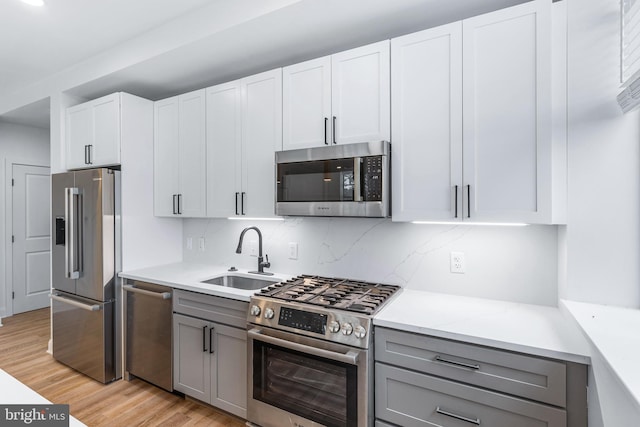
499, 224
38, 3
251, 218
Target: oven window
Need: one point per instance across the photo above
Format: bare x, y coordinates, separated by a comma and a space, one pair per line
318, 389
317, 181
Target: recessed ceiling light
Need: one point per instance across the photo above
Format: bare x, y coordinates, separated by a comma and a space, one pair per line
34, 2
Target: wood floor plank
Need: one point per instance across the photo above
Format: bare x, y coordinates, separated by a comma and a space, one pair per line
23, 345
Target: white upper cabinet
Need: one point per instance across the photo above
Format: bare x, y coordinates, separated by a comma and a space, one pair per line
360, 94
244, 130
507, 114
93, 133
180, 156
261, 138
306, 109
426, 72
338, 99
224, 149
471, 106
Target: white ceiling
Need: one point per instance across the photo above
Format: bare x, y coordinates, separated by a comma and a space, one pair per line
36, 44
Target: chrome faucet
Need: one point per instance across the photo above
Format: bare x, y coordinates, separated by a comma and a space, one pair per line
261, 263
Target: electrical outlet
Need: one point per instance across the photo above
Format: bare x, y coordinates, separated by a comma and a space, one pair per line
457, 262
293, 250
189, 243
253, 248
201, 244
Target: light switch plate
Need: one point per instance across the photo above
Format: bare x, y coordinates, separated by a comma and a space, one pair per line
293, 250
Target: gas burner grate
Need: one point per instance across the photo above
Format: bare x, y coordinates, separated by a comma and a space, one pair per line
343, 294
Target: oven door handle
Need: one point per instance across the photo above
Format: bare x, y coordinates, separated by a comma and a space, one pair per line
351, 357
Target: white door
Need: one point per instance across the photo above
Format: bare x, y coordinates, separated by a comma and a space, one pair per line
166, 157
261, 138
360, 94
31, 245
306, 104
507, 113
224, 150
193, 158
426, 100
106, 131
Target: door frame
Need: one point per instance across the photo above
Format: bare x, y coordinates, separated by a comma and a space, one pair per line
8, 227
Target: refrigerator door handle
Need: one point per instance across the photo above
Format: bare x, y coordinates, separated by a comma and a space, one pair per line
88, 307
71, 248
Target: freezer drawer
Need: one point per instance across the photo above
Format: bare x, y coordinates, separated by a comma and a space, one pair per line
83, 335
148, 333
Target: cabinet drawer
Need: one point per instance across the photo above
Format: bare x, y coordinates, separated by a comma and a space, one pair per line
216, 309
520, 375
411, 399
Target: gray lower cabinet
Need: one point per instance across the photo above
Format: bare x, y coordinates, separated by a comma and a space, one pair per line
426, 381
209, 356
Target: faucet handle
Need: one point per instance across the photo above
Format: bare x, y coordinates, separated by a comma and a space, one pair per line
266, 264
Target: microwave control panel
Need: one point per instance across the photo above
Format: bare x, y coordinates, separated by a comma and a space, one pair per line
372, 167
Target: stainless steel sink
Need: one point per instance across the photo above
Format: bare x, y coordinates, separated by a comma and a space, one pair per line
240, 282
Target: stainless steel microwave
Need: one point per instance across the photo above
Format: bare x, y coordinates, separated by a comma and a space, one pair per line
338, 180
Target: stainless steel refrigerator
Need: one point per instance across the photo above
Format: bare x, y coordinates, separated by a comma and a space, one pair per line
85, 255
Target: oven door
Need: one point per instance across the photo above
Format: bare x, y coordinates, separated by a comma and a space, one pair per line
305, 382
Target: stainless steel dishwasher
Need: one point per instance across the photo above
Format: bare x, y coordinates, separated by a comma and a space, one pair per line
148, 326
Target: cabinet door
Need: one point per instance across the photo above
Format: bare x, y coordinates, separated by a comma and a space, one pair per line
261, 138
360, 94
192, 160
105, 150
191, 358
306, 107
426, 98
223, 150
506, 109
166, 156
229, 369
79, 134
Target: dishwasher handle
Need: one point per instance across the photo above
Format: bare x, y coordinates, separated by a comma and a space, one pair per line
161, 295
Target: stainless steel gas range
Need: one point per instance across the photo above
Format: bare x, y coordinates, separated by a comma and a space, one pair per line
310, 362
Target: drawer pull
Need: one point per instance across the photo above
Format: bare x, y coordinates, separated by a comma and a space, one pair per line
456, 363
458, 417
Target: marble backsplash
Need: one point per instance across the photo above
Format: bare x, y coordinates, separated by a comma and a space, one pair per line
507, 263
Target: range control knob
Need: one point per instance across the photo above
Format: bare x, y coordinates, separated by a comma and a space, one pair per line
347, 328
360, 332
255, 310
334, 326
268, 313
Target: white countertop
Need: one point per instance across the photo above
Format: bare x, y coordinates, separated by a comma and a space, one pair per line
187, 276
615, 332
13, 392
533, 329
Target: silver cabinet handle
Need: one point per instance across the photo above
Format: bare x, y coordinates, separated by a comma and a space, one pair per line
244, 195
78, 304
174, 204
351, 357
237, 194
475, 421
161, 295
72, 246
468, 201
456, 363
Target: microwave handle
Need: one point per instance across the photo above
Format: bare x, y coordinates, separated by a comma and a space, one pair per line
357, 179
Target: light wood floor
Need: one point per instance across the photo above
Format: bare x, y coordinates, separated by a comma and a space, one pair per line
23, 345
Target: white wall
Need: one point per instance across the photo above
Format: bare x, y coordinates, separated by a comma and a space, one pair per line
603, 232
23, 144
506, 263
